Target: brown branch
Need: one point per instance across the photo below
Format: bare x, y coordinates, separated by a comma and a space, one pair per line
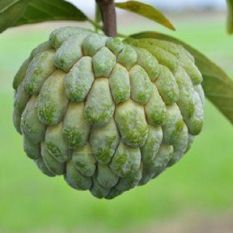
108, 14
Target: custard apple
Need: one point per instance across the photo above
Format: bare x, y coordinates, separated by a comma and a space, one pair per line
107, 114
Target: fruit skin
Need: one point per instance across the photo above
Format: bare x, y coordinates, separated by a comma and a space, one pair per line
107, 115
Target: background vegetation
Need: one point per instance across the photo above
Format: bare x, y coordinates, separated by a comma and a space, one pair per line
201, 182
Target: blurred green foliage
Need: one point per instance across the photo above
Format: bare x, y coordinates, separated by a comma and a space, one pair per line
202, 181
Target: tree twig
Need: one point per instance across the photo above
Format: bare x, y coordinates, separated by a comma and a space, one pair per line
108, 14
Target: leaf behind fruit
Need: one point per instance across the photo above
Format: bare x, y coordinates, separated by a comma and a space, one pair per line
20, 12
147, 11
230, 16
218, 86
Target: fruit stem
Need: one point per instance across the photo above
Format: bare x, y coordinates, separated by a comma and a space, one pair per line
108, 14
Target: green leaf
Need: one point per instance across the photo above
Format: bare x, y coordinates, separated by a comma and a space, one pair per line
230, 16
218, 86
19, 12
147, 11
10, 12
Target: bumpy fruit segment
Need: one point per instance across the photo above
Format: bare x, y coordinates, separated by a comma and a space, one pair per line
107, 114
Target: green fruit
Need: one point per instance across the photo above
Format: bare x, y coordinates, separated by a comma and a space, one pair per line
107, 115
